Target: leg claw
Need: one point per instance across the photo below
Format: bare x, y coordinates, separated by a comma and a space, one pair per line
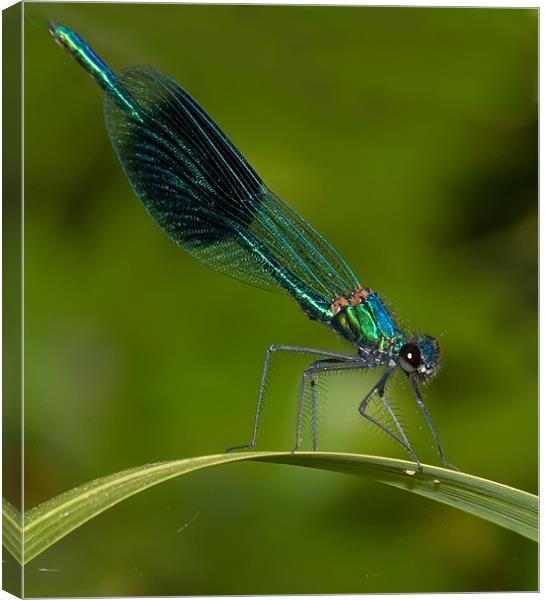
452, 467
244, 447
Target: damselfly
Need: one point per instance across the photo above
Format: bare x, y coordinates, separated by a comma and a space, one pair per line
204, 195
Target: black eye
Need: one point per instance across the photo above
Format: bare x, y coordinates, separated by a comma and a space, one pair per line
410, 358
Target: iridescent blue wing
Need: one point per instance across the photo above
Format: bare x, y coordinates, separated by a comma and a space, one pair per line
205, 196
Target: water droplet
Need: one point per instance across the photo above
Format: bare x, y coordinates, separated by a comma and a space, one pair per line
410, 472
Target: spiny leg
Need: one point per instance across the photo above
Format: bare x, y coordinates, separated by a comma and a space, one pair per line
309, 374
406, 444
270, 350
320, 367
300, 408
427, 416
381, 394
313, 408
378, 389
408, 448
313, 413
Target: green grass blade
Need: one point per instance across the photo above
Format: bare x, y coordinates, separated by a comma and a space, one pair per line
501, 504
12, 538
516, 510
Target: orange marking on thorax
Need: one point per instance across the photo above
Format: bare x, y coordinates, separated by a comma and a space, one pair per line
338, 304
358, 296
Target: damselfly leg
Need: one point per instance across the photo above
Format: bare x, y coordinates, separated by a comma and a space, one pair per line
427, 416
310, 376
400, 437
280, 348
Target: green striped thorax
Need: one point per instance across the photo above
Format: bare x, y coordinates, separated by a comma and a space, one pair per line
364, 320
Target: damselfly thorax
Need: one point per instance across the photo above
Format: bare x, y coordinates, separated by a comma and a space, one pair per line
363, 319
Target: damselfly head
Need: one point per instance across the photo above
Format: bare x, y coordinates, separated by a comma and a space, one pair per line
420, 357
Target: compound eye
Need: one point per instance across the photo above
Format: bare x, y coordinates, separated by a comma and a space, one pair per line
410, 358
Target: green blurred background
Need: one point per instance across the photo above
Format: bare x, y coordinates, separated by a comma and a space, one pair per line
408, 138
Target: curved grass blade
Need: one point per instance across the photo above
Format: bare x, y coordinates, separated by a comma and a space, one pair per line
12, 538
508, 507
504, 505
